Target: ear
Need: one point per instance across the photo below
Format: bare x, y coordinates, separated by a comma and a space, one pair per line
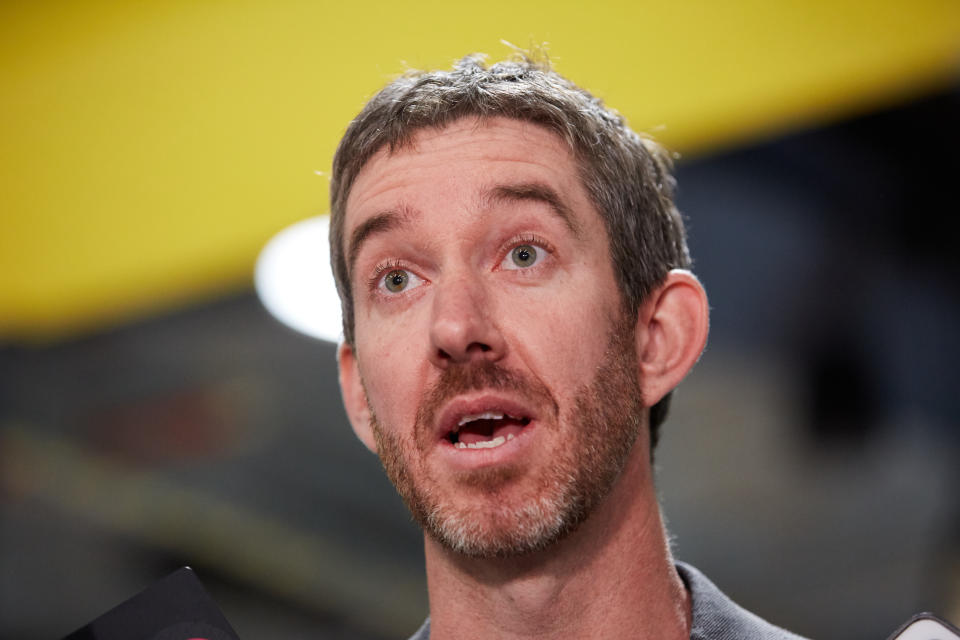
354, 396
672, 327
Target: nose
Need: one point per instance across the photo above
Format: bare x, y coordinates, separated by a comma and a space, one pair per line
462, 329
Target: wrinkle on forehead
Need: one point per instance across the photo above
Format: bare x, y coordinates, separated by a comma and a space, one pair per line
547, 148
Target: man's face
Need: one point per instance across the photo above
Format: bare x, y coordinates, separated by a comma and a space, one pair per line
498, 366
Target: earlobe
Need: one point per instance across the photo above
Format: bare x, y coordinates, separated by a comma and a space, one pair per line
672, 327
354, 396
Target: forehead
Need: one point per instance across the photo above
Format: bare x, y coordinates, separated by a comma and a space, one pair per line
466, 166
461, 164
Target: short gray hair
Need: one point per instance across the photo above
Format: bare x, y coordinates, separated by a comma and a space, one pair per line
627, 176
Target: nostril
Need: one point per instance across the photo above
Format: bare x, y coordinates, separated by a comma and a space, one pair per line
474, 349
459, 335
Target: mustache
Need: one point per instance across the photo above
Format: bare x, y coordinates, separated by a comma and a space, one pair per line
479, 376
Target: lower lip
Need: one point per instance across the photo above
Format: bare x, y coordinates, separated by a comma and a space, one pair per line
468, 458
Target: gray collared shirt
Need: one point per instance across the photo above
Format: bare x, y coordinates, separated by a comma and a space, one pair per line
715, 616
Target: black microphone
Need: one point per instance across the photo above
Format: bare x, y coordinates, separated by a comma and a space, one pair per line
175, 608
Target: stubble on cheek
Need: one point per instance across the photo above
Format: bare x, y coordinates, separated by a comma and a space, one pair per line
397, 468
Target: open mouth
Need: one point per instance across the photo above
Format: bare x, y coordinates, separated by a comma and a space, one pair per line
486, 430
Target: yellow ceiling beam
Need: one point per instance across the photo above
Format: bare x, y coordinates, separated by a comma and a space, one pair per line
150, 149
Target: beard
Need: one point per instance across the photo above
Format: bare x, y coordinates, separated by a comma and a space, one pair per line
601, 428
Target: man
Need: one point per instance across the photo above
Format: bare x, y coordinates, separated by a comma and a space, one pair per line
517, 310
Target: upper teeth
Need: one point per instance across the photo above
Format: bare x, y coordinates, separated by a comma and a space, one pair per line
486, 415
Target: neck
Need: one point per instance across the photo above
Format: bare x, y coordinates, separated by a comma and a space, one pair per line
611, 578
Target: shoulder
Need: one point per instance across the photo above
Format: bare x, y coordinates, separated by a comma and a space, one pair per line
717, 617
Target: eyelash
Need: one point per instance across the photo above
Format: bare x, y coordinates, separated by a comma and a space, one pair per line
521, 240
381, 269
525, 239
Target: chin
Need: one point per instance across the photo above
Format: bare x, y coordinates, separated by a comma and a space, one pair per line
498, 526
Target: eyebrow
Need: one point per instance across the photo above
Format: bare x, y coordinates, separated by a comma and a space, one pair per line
537, 192
376, 225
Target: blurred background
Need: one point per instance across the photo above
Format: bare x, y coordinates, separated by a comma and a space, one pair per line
154, 414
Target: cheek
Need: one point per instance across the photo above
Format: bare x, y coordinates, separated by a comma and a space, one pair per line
390, 364
563, 339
